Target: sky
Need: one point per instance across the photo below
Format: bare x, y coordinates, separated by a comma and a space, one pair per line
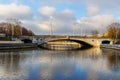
64, 17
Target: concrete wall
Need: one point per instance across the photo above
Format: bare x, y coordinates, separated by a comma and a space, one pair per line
11, 42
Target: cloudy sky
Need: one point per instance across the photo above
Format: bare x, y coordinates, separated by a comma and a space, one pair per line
65, 16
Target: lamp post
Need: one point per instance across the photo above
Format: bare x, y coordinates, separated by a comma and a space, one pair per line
79, 28
81, 31
73, 29
51, 25
117, 30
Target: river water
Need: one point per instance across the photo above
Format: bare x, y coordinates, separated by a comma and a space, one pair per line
90, 64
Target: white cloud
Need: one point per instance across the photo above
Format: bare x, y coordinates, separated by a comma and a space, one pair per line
44, 27
46, 10
15, 11
105, 7
92, 10
98, 22
61, 22
68, 12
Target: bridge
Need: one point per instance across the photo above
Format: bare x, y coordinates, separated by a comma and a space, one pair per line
87, 41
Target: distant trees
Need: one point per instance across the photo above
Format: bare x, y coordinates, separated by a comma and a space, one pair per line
14, 29
113, 31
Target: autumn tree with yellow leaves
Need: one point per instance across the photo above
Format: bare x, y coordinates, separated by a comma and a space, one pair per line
113, 31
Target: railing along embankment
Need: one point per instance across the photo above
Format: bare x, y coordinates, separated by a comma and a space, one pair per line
110, 46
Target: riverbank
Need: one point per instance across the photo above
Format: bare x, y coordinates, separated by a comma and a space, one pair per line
16, 45
111, 46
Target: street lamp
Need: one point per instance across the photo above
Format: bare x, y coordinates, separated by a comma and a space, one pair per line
117, 30
51, 25
79, 28
73, 29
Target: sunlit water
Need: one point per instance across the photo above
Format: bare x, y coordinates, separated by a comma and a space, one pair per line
90, 64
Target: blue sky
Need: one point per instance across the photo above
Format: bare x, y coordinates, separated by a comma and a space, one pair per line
87, 14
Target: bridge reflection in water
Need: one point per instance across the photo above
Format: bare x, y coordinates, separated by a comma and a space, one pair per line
62, 45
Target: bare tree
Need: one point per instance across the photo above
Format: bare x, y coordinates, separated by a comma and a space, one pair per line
12, 27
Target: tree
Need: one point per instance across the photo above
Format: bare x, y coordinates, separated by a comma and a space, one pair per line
113, 31
7, 28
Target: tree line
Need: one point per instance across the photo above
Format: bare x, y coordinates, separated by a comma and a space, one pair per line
14, 29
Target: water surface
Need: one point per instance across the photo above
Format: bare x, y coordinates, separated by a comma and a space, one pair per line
90, 64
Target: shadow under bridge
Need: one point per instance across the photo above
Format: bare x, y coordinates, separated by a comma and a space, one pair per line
66, 43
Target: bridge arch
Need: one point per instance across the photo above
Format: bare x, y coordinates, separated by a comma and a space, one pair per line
83, 43
27, 40
106, 42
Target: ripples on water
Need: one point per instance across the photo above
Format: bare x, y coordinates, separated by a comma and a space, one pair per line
90, 64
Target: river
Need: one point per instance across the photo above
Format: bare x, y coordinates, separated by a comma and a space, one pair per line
38, 64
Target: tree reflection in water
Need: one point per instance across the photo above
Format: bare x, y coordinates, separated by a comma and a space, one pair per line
9, 66
113, 58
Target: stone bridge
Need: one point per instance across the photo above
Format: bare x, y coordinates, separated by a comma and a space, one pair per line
95, 42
